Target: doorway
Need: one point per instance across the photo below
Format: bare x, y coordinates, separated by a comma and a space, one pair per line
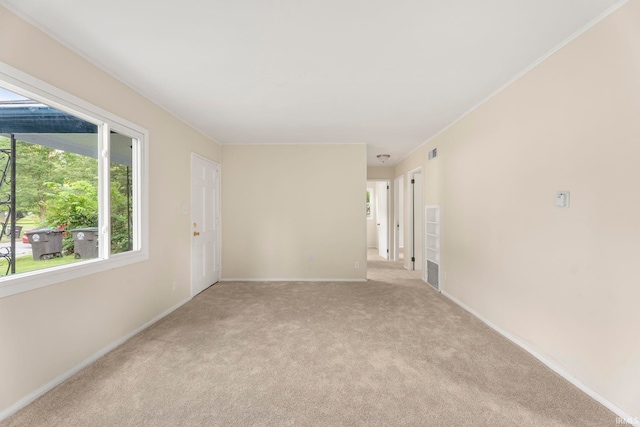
379, 217
205, 223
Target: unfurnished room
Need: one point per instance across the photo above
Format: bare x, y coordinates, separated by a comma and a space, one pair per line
336, 213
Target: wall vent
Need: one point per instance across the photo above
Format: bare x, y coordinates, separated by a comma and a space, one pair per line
433, 274
433, 153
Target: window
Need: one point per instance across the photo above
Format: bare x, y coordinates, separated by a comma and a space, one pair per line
71, 181
369, 203
120, 172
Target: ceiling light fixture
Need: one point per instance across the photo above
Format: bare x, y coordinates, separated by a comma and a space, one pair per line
383, 157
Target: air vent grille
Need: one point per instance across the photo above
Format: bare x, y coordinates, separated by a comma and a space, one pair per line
433, 274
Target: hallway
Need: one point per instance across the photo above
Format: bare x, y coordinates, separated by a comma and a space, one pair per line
380, 269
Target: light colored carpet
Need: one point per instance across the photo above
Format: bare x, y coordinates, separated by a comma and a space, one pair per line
388, 352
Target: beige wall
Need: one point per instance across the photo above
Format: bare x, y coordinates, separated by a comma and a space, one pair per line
293, 211
46, 332
380, 172
563, 281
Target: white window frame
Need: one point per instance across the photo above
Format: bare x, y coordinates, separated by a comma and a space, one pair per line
28, 86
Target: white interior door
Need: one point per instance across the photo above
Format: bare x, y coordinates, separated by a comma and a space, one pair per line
396, 206
205, 218
382, 212
398, 196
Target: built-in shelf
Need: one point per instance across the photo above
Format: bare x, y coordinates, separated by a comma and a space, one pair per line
432, 243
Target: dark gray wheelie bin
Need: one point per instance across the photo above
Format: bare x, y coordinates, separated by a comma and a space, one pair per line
46, 243
17, 232
85, 242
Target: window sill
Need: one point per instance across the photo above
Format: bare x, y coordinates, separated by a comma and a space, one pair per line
12, 285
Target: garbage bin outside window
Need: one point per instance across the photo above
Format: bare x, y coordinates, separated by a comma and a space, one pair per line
85, 242
46, 243
17, 232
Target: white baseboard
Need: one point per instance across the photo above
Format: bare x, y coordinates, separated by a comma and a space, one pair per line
273, 279
550, 364
6, 413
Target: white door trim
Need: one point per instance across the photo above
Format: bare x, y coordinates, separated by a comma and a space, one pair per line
390, 212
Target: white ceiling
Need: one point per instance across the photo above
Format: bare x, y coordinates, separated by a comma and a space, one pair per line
390, 74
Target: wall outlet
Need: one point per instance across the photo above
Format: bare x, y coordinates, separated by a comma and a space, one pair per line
174, 285
357, 265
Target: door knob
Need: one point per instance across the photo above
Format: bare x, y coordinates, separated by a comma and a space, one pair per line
195, 233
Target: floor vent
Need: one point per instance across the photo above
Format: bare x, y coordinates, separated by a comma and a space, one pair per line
433, 274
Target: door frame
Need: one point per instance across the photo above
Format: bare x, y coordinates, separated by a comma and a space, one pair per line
390, 217
218, 259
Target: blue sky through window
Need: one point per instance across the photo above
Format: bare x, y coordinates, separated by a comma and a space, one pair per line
6, 95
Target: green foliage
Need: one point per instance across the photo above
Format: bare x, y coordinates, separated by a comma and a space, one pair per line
61, 189
76, 206
72, 206
120, 218
38, 167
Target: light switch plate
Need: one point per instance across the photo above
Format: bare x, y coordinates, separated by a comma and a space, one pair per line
562, 199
